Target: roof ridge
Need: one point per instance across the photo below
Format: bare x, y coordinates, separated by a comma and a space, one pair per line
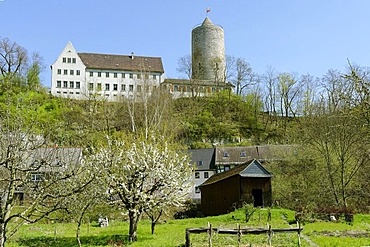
107, 54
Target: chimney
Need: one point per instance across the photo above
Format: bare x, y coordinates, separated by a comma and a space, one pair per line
132, 55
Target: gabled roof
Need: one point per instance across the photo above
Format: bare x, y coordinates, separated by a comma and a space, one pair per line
206, 155
122, 62
250, 169
54, 159
239, 155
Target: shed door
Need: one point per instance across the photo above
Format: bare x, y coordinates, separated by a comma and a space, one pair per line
257, 196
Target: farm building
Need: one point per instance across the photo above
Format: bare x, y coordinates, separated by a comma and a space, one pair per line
246, 183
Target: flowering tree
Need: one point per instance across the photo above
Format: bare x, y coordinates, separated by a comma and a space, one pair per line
32, 174
142, 175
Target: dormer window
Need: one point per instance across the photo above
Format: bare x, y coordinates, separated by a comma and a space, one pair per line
226, 154
200, 163
36, 177
243, 154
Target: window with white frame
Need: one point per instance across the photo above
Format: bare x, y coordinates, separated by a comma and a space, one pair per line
36, 177
197, 175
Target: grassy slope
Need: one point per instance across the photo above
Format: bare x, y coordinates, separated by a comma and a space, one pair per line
172, 233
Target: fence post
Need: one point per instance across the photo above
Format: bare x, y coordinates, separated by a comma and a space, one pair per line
269, 230
299, 233
209, 234
187, 238
239, 234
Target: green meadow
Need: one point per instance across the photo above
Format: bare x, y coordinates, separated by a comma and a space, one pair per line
172, 232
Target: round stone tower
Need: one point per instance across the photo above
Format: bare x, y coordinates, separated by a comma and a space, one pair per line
208, 52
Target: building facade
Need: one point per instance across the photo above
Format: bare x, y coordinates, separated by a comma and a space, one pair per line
104, 76
246, 183
203, 161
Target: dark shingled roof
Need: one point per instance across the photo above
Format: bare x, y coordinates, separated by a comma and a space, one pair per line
206, 155
239, 155
122, 62
251, 169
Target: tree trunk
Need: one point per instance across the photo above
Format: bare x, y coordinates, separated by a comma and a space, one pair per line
153, 227
78, 233
2, 235
134, 219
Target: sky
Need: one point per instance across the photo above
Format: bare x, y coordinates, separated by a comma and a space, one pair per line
294, 36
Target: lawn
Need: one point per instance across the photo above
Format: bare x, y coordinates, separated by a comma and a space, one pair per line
172, 232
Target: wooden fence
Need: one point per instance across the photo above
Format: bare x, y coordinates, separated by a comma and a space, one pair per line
239, 231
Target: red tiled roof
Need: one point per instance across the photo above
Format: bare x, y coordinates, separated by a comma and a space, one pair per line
122, 62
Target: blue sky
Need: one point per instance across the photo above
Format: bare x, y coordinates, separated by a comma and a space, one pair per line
297, 36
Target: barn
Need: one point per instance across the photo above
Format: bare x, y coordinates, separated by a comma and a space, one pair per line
246, 183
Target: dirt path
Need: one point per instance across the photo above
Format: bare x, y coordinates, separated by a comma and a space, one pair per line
302, 235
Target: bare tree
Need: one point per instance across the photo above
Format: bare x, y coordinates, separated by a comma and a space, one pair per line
241, 74
31, 174
335, 88
357, 95
17, 68
184, 66
270, 82
13, 60
339, 146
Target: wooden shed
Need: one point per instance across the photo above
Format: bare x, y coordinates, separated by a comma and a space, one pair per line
246, 183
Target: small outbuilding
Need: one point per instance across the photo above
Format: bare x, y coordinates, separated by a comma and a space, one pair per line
246, 183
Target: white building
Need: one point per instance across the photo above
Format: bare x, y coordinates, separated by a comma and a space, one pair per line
104, 76
204, 167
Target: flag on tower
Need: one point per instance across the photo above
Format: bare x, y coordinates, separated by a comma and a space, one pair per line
208, 10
